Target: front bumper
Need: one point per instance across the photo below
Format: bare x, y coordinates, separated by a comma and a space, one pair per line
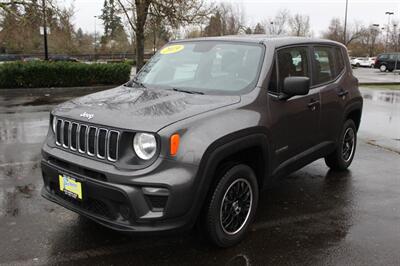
125, 206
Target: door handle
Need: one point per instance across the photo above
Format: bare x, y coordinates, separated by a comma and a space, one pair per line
342, 93
313, 105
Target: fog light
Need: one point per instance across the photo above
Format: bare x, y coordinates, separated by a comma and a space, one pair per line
156, 197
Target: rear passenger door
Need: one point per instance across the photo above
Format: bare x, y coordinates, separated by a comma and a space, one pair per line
330, 80
294, 121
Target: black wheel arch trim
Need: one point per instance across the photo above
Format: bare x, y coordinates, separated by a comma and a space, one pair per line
355, 106
221, 149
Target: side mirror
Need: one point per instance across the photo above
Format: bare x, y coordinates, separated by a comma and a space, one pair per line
293, 86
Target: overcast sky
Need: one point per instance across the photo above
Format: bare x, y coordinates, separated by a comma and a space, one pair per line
320, 11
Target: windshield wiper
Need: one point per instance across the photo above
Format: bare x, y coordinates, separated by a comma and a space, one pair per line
187, 91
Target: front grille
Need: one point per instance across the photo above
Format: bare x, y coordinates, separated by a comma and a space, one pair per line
87, 139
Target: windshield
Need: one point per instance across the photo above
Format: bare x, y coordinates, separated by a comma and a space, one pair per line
204, 67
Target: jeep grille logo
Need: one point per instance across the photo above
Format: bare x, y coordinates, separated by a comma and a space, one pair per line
86, 115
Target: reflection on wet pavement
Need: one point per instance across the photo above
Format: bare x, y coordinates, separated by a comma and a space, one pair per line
312, 217
380, 123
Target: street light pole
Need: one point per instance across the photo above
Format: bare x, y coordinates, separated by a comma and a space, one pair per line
375, 33
46, 51
95, 39
395, 37
388, 28
345, 23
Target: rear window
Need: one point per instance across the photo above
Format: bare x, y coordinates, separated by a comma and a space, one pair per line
324, 67
339, 66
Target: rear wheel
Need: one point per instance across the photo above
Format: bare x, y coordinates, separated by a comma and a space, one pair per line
383, 68
342, 157
232, 206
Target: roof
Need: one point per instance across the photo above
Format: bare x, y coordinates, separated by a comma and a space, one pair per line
262, 38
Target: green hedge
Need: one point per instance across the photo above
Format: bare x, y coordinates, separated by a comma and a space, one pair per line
61, 74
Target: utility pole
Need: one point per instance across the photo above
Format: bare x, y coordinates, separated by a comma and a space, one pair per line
345, 23
388, 29
46, 51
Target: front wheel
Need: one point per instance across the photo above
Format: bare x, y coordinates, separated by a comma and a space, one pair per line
232, 206
342, 157
383, 68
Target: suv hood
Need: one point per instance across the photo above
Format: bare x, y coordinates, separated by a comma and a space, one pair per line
140, 109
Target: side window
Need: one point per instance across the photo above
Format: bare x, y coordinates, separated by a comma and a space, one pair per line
292, 62
324, 70
339, 66
383, 56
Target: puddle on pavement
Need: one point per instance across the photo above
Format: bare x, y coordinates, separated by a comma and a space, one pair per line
391, 97
380, 122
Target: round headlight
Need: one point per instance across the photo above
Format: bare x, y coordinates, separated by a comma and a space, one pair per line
54, 124
145, 145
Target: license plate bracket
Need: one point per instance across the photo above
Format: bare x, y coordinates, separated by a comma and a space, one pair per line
70, 186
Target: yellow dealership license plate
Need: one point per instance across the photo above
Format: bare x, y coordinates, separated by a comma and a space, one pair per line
70, 186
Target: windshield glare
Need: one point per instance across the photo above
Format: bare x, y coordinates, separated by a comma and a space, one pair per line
204, 66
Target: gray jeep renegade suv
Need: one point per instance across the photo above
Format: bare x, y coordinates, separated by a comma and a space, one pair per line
200, 131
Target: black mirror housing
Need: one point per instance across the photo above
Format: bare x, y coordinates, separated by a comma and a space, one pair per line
293, 86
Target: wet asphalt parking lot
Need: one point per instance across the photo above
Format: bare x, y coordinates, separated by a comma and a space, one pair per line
312, 217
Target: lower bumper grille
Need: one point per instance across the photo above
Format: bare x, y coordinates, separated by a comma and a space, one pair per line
91, 205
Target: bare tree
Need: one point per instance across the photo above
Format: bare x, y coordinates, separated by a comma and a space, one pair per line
394, 35
173, 12
232, 18
278, 25
227, 19
336, 31
355, 32
300, 25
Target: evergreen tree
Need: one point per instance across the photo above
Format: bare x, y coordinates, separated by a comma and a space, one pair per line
259, 29
115, 37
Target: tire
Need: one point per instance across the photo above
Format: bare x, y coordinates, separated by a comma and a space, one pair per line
341, 158
226, 219
372, 66
358, 65
383, 68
